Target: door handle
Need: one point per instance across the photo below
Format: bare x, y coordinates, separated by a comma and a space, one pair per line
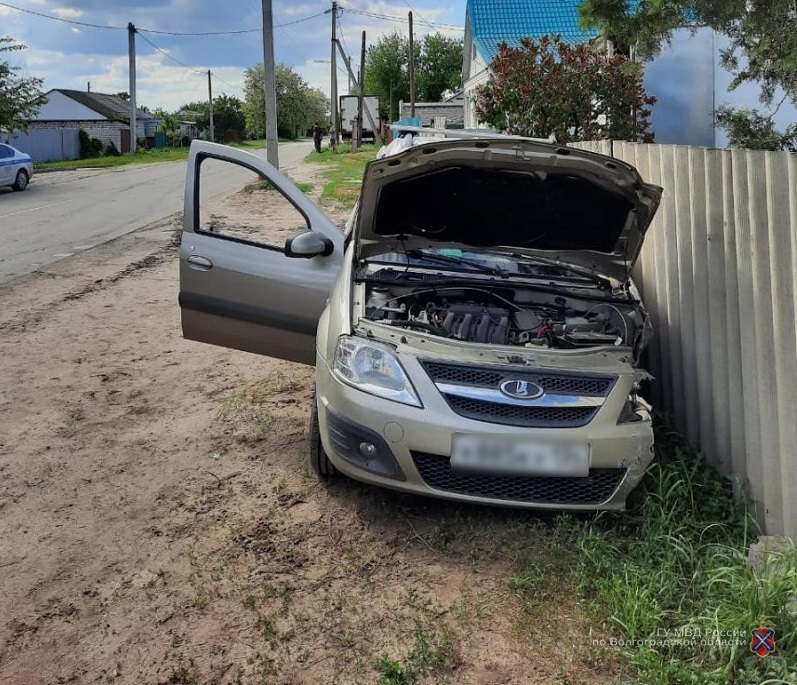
200, 263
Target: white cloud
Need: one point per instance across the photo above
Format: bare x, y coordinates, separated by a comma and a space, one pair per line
159, 82
66, 12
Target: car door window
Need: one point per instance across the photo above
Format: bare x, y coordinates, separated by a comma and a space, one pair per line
236, 203
6, 152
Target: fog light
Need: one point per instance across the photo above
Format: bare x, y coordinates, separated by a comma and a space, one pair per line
367, 449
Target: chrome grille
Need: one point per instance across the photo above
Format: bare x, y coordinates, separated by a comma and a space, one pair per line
552, 383
569, 399
594, 489
515, 415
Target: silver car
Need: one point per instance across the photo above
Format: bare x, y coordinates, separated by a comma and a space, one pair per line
16, 168
475, 330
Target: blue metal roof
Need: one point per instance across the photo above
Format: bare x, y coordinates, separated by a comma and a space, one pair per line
496, 21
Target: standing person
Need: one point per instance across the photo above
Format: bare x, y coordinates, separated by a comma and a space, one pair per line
318, 133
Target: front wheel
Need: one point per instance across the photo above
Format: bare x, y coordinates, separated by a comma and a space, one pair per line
22, 180
316, 456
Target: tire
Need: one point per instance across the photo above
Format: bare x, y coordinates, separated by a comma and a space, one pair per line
317, 458
21, 181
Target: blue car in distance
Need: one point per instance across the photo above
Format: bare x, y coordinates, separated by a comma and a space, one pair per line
16, 168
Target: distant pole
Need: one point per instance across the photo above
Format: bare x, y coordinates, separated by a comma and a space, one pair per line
349, 73
270, 92
210, 104
361, 95
412, 70
334, 79
131, 51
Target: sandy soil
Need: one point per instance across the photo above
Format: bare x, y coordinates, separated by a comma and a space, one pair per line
158, 523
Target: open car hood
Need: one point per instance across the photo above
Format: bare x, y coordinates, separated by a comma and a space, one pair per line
518, 195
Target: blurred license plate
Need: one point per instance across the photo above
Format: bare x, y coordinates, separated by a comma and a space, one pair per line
491, 456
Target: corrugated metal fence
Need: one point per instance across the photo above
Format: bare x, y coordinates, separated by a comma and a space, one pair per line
719, 276
48, 145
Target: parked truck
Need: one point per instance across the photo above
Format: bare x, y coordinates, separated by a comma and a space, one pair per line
348, 116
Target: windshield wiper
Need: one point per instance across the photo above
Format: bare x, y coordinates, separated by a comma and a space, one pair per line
584, 273
453, 259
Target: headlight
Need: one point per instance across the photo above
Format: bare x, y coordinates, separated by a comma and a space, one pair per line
373, 368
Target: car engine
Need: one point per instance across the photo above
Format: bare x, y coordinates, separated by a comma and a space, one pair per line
510, 317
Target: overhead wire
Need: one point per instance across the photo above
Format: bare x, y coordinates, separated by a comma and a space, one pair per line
111, 27
172, 57
405, 20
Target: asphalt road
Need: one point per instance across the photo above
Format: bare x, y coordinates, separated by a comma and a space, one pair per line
65, 212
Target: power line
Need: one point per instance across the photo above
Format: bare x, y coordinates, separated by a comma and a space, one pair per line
75, 22
171, 57
66, 21
404, 20
342, 37
421, 20
196, 70
230, 33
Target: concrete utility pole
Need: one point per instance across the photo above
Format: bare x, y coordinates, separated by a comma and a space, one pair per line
131, 51
412, 71
272, 148
334, 79
210, 104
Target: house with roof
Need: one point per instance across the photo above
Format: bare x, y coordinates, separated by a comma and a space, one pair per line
686, 78
488, 23
103, 116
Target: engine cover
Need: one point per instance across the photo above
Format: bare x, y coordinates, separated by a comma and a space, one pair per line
477, 323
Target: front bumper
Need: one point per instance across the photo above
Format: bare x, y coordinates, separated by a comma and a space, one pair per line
412, 447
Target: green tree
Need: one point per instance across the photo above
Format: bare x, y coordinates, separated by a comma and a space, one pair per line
229, 120
762, 50
20, 96
168, 123
439, 67
763, 33
298, 105
548, 87
752, 129
387, 73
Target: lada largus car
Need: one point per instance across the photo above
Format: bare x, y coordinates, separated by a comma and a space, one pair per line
475, 331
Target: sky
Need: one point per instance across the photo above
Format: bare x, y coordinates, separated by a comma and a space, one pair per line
69, 55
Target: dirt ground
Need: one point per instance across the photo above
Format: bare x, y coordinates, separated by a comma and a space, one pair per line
158, 523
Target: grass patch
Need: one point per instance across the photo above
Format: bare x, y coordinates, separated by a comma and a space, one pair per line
431, 654
343, 172
677, 561
245, 419
141, 157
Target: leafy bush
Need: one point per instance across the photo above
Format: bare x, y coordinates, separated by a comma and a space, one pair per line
111, 151
89, 147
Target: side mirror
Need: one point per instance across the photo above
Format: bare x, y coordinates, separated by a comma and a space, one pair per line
308, 244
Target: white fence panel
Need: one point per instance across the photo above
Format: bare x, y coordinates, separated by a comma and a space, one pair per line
719, 277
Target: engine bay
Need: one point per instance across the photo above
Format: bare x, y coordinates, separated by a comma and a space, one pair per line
509, 316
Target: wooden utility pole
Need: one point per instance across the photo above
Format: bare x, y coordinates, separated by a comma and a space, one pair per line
361, 95
412, 71
272, 148
334, 83
131, 53
356, 82
210, 106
